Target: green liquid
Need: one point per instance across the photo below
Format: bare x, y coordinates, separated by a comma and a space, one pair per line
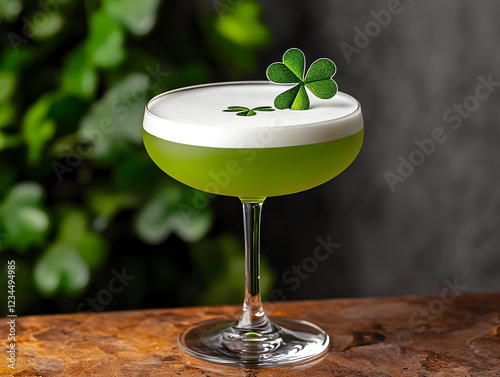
257, 172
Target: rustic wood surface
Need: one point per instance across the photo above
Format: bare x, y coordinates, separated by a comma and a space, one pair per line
449, 335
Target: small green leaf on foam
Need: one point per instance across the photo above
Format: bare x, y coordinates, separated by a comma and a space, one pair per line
236, 108
245, 111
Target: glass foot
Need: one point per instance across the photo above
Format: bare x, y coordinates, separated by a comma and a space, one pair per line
289, 341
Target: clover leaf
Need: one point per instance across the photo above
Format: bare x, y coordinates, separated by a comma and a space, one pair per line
245, 111
318, 80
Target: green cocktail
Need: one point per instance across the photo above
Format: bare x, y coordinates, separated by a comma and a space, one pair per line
254, 172
271, 153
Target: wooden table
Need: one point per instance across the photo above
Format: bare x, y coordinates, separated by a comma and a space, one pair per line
452, 335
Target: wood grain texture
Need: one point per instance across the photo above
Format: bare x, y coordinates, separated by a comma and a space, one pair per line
445, 336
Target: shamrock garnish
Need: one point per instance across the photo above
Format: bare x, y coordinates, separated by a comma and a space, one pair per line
318, 80
245, 111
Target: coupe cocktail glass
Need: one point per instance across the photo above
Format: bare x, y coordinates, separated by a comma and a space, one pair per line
188, 136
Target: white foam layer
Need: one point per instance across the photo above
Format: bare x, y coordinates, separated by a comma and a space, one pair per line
194, 116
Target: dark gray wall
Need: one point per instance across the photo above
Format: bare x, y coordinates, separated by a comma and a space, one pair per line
443, 221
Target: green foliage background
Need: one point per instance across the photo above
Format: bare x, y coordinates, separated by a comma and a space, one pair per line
79, 197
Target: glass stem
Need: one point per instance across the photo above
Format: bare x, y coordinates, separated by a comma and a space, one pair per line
253, 317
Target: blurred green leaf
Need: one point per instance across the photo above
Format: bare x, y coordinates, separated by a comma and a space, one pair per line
9, 141
38, 128
61, 268
79, 76
115, 120
236, 36
7, 115
7, 84
10, 9
153, 221
105, 42
74, 232
15, 60
138, 16
193, 230
28, 193
165, 213
23, 220
65, 266
53, 23
106, 202
242, 26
